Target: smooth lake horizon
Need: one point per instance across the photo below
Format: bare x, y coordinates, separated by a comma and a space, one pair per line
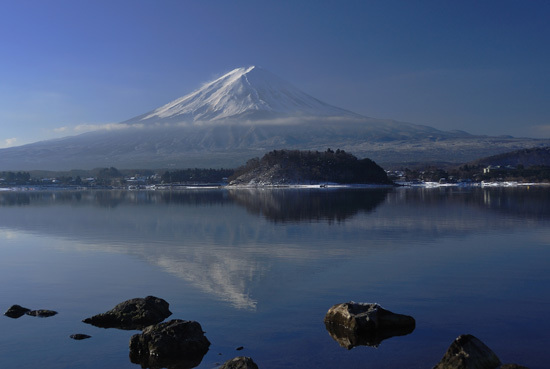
259, 268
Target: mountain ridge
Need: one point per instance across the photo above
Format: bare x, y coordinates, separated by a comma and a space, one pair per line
525, 157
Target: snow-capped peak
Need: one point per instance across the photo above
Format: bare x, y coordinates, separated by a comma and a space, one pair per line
250, 92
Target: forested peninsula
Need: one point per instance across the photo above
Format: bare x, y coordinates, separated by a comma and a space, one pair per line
294, 167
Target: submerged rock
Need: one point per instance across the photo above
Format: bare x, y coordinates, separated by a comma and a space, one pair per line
79, 336
349, 339
240, 362
135, 313
468, 352
42, 313
352, 324
177, 343
16, 311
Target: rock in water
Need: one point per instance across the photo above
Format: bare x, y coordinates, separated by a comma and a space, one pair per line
178, 343
135, 313
468, 352
352, 324
240, 362
42, 313
79, 336
16, 311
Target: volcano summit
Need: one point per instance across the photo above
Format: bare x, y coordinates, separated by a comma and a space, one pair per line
243, 94
243, 114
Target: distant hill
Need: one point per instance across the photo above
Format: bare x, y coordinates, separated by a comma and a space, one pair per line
538, 156
283, 167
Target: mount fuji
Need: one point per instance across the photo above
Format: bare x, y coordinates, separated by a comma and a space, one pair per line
251, 93
244, 114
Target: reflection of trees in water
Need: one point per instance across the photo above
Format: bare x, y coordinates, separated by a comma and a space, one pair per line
533, 202
195, 197
114, 198
283, 205
520, 202
9, 198
297, 205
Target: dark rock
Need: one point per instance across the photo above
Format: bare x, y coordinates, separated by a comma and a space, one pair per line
239, 348
177, 343
513, 366
240, 362
136, 313
16, 311
352, 324
79, 336
468, 352
42, 313
349, 339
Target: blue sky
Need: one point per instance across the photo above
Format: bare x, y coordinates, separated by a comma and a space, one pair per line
479, 66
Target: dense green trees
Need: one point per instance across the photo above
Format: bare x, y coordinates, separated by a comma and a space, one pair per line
15, 178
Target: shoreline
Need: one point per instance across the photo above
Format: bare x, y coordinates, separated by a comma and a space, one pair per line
171, 187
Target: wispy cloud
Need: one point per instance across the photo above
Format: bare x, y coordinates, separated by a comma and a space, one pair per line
8, 235
89, 127
275, 121
99, 127
9, 142
540, 131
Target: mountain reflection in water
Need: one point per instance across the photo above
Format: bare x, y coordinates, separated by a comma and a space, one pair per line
224, 241
259, 269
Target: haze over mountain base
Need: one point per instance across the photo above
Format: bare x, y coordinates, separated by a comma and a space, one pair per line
232, 146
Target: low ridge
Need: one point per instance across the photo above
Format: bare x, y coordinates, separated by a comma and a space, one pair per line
526, 157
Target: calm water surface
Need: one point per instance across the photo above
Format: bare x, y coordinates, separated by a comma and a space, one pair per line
260, 268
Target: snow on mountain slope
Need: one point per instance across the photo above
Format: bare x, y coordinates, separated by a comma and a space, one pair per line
250, 93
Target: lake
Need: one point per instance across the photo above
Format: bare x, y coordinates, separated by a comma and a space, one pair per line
260, 268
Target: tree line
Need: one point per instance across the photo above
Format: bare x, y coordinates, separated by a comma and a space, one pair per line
15, 177
196, 175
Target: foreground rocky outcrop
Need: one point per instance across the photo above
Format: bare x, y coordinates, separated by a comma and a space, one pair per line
181, 344
176, 343
135, 313
239, 362
468, 352
352, 324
